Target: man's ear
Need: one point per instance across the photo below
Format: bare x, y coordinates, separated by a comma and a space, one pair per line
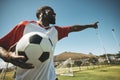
43, 14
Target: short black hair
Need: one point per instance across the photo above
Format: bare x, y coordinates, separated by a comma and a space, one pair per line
42, 10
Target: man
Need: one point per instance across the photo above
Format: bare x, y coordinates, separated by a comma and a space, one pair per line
46, 16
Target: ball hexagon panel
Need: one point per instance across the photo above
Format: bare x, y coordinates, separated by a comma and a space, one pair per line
23, 43
33, 52
46, 45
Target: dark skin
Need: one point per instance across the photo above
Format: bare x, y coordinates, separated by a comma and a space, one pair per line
50, 19
16, 60
76, 28
45, 19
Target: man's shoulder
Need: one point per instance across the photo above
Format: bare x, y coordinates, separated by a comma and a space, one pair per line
26, 22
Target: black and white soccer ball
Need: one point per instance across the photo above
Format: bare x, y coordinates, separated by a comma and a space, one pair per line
36, 47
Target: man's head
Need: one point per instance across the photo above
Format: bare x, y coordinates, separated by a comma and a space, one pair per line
46, 14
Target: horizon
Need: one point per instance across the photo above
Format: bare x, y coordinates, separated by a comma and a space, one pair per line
4, 63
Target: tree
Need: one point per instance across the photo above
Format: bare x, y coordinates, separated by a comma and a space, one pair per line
93, 60
118, 55
78, 63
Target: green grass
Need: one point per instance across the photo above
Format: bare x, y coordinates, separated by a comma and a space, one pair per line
109, 73
106, 73
9, 76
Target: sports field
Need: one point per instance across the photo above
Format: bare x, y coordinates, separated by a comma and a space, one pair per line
105, 73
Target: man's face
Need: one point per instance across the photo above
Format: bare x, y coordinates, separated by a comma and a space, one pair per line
50, 16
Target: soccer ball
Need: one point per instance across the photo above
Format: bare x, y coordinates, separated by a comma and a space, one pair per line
36, 47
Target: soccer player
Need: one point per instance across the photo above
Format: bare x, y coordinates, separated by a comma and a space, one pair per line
26, 71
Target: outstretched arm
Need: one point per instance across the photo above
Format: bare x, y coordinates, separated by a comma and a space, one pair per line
76, 28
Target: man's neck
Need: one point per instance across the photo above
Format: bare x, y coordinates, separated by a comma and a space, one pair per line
45, 24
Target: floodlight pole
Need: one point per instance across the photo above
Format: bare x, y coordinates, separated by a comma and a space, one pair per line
99, 38
115, 38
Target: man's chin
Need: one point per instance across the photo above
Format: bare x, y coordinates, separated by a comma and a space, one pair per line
52, 23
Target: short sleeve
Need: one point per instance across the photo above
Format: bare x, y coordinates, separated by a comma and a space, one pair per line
13, 36
63, 31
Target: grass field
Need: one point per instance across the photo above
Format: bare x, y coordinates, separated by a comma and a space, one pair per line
106, 73
109, 73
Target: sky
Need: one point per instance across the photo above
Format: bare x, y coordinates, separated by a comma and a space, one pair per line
70, 12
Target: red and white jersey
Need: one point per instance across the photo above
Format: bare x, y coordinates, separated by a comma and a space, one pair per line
44, 71
17, 32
